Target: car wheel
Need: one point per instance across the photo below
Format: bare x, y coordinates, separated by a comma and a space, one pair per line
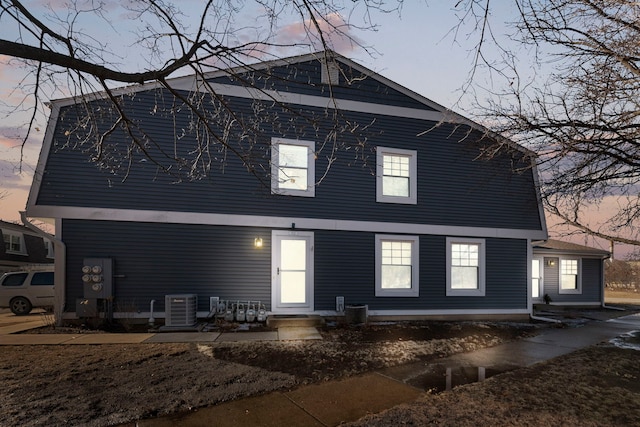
20, 306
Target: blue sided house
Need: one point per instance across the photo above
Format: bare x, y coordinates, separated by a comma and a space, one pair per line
327, 185
568, 274
22, 248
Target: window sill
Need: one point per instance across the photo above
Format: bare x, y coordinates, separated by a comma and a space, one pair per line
404, 293
465, 292
16, 253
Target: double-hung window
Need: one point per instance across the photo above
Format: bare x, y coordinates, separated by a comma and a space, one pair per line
397, 266
396, 176
465, 267
292, 167
569, 276
14, 243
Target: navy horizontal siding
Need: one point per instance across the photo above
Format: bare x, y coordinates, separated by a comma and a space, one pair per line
454, 188
152, 260
592, 285
590, 276
345, 267
551, 277
305, 78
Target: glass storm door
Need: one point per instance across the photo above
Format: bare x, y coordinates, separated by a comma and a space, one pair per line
536, 280
292, 272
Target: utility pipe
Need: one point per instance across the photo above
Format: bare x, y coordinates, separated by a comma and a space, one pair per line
60, 267
544, 319
152, 321
612, 308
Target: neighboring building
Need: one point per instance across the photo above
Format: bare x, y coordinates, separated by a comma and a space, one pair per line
22, 247
410, 223
568, 274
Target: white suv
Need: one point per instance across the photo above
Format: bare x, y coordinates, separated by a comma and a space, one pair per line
21, 291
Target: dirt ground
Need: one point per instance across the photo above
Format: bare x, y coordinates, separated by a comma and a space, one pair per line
99, 385
597, 386
87, 385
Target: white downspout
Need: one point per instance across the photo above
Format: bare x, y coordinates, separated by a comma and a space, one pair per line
60, 261
603, 285
544, 319
152, 320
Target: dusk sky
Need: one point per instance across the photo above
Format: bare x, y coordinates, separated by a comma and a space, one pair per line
416, 49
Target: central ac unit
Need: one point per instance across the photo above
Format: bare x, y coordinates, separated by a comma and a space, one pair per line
180, 310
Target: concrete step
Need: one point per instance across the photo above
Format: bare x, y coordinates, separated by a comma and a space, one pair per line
298, 320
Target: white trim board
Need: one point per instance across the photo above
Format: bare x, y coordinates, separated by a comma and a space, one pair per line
572, 303
329, 313
277, 222
324, 102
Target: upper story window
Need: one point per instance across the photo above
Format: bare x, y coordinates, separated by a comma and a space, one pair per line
397, 266
465, 267
14, 242
569, 277
293, 167
396, 177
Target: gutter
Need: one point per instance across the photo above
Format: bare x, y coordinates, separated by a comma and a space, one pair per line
544, 319
612, 308
60, 261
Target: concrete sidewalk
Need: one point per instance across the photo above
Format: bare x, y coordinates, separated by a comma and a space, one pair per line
525, 352
335, 402
8, 336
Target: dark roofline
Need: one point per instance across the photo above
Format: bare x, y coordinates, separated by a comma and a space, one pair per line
16, 227
552, 246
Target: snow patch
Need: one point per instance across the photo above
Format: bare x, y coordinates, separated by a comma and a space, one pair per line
630, 340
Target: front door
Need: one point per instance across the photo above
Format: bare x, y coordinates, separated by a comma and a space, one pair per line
292, 272
537, 283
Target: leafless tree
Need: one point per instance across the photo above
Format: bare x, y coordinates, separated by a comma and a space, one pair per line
566, 84
62, 56
620, 273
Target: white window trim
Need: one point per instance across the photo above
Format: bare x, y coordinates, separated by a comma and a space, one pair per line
481, 290
23, 248
578, 289
311, 168
415, 268
412, 199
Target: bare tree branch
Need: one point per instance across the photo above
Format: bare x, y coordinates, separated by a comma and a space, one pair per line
582, 115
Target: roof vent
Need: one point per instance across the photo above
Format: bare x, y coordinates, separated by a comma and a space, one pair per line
330, 73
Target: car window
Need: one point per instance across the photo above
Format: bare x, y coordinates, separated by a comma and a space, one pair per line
14, 279
45, 279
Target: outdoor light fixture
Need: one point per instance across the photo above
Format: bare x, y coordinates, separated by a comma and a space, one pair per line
551, 263
257, 242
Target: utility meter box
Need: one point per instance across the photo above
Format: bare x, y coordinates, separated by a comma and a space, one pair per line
97, 278
86, 307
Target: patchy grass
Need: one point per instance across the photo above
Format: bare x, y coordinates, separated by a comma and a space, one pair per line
597, 386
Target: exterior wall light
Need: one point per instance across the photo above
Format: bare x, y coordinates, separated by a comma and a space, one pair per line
257, 242
551, 263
